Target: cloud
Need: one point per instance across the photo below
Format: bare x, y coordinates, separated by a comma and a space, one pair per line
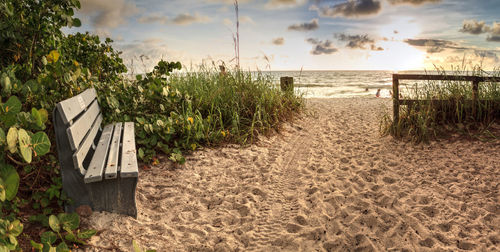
493, 38
350, 9
322, 47
279, 41
487, 54
434, 45
312, 25
187, 19
246, 20
108, 14
474, 27
275, 4
494, 33
413, 2
154, 18
358, 41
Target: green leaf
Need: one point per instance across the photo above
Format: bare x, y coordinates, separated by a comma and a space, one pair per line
3, 138
4, 249
10, 179
44, 114
48, 237
41, 143
62, 247
7, 86
77, 22
86, 234
44, 202
141, 153
35, 245
54, 223
12, 106
71, 237
16, 228
25, 145
38, 118
69, 221
12, 139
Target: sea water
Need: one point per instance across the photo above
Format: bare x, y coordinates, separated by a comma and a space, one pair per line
339, 84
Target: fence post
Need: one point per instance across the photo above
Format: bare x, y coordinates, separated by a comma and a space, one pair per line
286, 83
475, 96
395, 97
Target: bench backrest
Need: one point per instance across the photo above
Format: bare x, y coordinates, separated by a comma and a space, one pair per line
81, 117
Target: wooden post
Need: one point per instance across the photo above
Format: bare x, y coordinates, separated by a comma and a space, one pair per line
475, 96
395, 97
286, 83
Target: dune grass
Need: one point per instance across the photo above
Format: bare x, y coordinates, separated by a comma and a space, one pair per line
242, 102
426, 121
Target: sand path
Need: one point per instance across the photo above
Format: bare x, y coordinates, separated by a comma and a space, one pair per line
328, 182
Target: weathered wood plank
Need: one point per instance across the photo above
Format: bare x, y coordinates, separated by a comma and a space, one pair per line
111, 171
411, 102
96, 167
72, 107
78, 131
129, 166
81, 153
445, 77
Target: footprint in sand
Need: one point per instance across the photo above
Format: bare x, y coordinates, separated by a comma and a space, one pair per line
301, 220
389, 180
293, 228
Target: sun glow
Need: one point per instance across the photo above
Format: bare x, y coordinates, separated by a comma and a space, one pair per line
397, 54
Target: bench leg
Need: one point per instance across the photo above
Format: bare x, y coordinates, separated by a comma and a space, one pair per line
75, 189
114, 195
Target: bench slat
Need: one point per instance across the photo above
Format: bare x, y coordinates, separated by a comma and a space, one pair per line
96, 167
73, 106
81, 153
111, 171
129, 160
79, 129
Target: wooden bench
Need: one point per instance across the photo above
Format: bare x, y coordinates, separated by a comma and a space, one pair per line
98, 165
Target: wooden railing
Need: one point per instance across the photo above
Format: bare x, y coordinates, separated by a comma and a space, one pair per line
475, 88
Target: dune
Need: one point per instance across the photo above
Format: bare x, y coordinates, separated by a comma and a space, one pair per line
327, 182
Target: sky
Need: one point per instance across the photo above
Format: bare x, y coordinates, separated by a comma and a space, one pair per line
277, 35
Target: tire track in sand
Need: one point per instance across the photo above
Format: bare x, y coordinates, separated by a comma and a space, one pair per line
281, 208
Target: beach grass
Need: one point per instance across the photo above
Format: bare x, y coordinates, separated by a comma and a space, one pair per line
242, 102
430, 120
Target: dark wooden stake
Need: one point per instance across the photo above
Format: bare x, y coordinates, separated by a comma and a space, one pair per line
395, 97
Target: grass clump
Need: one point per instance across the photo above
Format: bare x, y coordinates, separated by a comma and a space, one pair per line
451, 109
179, 112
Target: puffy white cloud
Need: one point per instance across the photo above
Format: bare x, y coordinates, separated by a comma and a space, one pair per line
187, 19
108, 14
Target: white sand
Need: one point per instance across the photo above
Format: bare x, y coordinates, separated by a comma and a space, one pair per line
327, 182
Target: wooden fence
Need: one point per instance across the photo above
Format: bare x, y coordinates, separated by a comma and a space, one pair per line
475, 88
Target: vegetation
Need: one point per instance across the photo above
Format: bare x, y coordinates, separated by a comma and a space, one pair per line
425, 121
174, 113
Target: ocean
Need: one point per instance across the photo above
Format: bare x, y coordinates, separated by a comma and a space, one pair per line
339, 84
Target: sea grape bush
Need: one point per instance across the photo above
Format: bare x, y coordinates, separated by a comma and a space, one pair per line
64, 228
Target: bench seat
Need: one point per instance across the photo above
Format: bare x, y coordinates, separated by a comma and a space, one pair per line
98, 165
